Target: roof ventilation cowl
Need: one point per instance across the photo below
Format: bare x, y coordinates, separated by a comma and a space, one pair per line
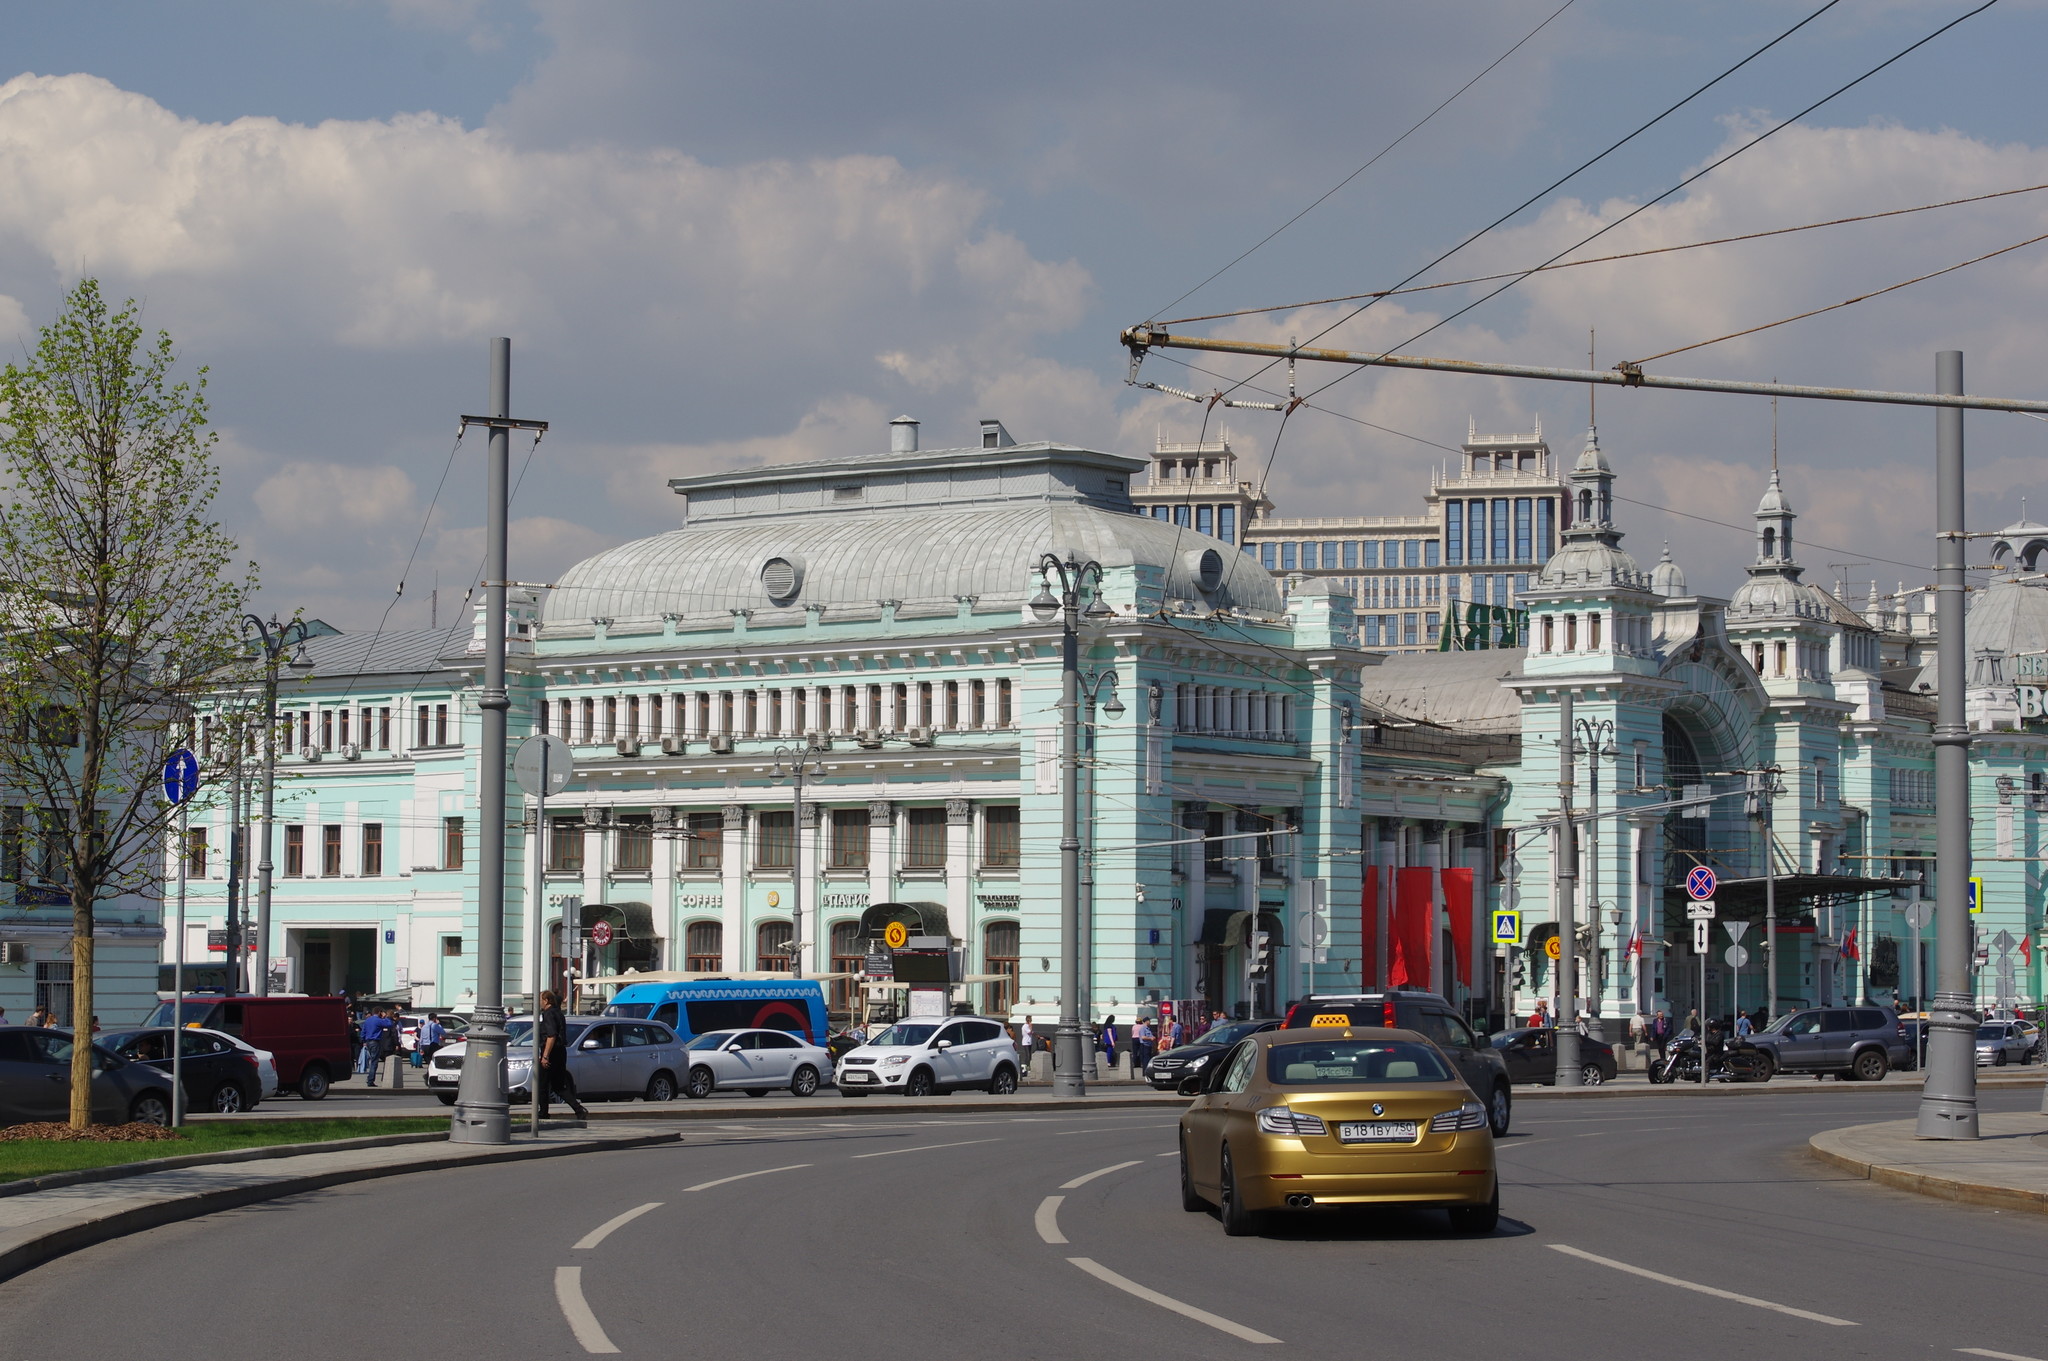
903, 435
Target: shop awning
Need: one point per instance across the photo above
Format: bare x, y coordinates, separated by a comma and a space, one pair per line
1223, 927
637, 918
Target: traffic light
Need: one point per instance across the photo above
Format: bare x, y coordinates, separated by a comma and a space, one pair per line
1262, 952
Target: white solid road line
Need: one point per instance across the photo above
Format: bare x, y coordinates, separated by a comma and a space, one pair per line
925, 1148
1703, 1289
583, 1323
1131, 1287
1099, 1172
598, 1234
1047, 1220
707, 1185
1995, 1356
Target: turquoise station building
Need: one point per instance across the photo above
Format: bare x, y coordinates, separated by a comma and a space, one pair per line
1254, 776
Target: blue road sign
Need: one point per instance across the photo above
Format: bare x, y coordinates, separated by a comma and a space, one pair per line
1507, 927
1700, 882
181, 776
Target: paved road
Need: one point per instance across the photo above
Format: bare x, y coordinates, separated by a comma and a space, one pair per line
933, 1236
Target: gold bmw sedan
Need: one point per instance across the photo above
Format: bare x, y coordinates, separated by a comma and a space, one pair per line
1316, 1119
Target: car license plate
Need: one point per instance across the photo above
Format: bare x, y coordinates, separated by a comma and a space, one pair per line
1376, 1132
856, 1076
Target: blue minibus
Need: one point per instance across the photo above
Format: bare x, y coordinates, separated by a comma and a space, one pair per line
698, 1006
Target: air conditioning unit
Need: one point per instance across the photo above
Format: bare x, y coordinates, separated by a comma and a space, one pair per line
13, 952
310, 755
870, 737
674, 746
920, 737
819, 741
626, 746
721, 743
351, 752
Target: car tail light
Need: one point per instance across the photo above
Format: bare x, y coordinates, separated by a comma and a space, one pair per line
1387, 1015
1471, 1115
1281, 1120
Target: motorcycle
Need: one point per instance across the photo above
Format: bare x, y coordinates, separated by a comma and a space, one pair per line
1732, 1061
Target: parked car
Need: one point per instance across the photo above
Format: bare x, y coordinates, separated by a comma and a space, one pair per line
308, 1035
1531, 1056
35, 1082
1861, 1043
1301, 1119
220, 1074
918, 1058
1482, 1067
2003, 1042
453, 1027
755, 1062
610, 1060
1170, 1069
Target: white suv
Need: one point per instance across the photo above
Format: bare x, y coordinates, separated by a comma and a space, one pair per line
918, 1058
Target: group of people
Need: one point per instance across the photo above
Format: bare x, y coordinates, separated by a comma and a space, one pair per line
44, 1018
1145, 1036
378, 1034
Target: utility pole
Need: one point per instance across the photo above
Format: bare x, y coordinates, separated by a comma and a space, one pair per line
233, 984
793, 765
1070, 1042
482, 1113
1948, 1099
1567, 1019
275, 639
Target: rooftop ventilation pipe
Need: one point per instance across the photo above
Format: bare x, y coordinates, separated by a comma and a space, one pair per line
903, 435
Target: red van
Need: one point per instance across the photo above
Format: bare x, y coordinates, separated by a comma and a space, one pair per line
309, 1036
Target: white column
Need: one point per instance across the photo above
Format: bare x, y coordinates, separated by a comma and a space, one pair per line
734, 877
881, 849
809, 832
959, 865
663, 888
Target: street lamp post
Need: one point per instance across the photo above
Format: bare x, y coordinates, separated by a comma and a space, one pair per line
794, 765
1069, 1056
1565, 1023
1594, 739
275, 640
1091, 688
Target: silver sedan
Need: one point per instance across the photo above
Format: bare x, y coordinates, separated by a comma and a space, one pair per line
754, 1061
2003, 1042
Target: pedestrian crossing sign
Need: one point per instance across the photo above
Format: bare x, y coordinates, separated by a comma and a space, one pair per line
1507, 927
1976, 894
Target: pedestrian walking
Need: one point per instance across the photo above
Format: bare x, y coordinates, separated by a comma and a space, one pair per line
1109, 1040
1660, 1033
1141, 1043
1027, 1040
430, 1036
1744, 1027
552, 1032
1174, 1033
1541, 1016
39, 1017
1692, 1022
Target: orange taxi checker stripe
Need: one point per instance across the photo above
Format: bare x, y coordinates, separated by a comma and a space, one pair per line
1330, 1018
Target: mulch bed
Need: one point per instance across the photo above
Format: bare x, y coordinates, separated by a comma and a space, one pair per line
54, 1132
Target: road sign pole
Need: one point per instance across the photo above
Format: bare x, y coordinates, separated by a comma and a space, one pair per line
540, 934
1567, 1020
181, 781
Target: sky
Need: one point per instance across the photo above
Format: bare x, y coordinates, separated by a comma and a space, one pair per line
721, 235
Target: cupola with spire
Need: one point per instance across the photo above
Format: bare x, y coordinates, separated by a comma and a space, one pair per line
1667, 578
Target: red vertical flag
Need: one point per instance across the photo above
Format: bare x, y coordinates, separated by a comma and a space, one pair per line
1458, 907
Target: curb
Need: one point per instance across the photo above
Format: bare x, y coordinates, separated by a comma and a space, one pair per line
64, 1234
86, 1175
1823, 1147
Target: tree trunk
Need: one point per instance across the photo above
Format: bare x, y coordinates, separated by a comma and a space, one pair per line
81, 1014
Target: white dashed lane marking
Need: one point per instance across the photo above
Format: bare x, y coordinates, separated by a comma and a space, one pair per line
583, 1323
1098, 1172
707, 1185
1150, 1296
602, 1231
1995, 1356
925, 1148
1695, 1286
1047, 1220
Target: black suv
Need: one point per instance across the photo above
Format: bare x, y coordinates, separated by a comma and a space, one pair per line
1860, 1042
1429, 1015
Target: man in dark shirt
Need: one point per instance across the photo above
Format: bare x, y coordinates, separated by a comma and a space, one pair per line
551, 1033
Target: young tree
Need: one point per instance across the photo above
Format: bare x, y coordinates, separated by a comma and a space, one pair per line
123, 606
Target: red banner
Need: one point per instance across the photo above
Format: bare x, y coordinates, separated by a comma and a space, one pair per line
1413, 927
1458, 907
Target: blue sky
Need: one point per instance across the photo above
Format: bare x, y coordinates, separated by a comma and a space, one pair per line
724, 233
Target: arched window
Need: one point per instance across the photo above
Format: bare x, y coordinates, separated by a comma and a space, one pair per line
704, 947
1000, 943
1585, 505
1770, 543
848, 958
771, 946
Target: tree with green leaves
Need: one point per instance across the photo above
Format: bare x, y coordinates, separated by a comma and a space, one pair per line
123, 607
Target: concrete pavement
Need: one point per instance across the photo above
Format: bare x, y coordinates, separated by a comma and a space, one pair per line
2006, 1168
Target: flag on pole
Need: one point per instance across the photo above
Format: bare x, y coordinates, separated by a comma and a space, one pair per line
2027, 950
1850, 950
1635, 944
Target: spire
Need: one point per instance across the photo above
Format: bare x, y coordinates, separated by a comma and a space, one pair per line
1774, 517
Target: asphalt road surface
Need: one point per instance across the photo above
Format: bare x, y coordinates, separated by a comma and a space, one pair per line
1670, 1227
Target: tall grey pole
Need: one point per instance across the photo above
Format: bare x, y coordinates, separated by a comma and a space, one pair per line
1566, 1029
1070, 1051
540, 936
1948, 1099
1087, 901
482, 1114
178, 970
1768, 790
233, 983
796, 869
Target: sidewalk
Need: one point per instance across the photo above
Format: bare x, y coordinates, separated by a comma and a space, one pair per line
39, 1225
2006, 1168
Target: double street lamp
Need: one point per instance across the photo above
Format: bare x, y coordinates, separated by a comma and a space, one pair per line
1068, 1055
281, 646
794, 765
1593, 738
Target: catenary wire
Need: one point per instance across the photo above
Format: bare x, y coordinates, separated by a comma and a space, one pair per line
1704, 171
1837, 306
1587, 164
1334, 189
1609, 259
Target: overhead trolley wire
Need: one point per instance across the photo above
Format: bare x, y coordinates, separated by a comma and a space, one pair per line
1412, 130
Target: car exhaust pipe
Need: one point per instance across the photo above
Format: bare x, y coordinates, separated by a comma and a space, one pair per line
1299, 1202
